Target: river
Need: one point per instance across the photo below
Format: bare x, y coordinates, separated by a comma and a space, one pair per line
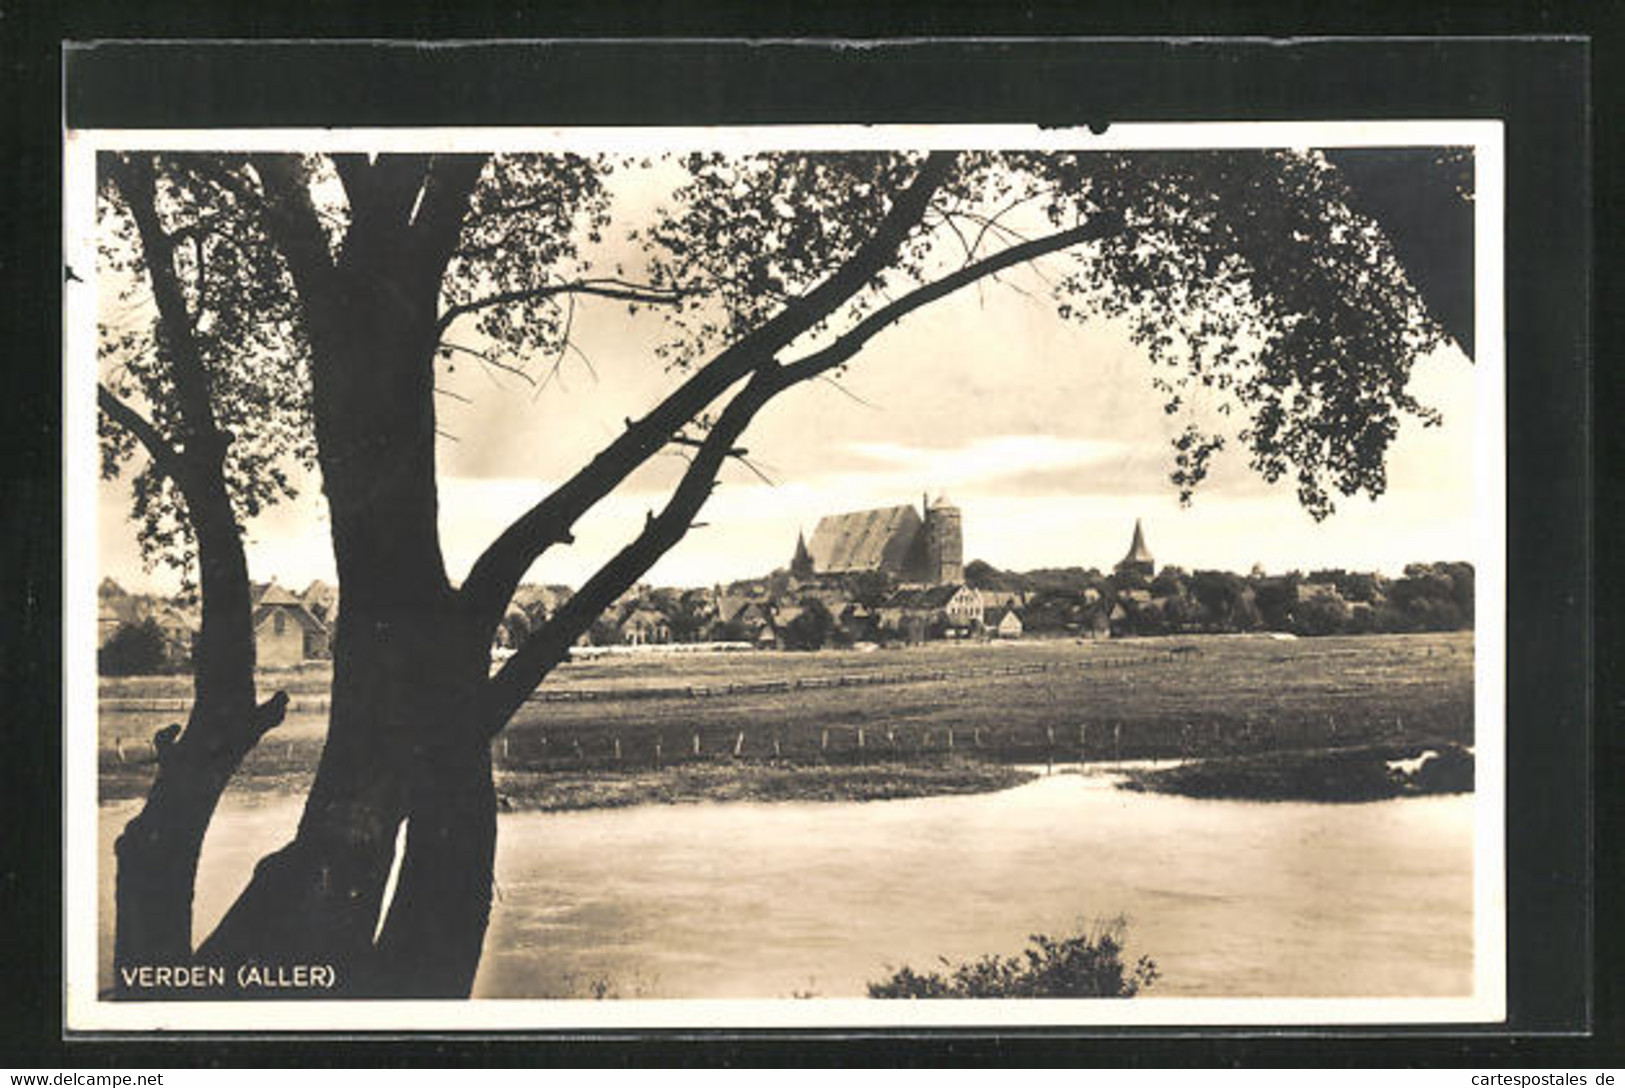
1229, 898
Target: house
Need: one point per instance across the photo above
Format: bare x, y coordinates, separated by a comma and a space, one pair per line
323, 601
859, 621
751, 619
111, 614
179, 631
286, 633
950, 611
645, 627
1097, 620
115, 609
1002, 622
1002, 598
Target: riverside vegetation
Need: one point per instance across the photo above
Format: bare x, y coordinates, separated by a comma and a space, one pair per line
1088, 964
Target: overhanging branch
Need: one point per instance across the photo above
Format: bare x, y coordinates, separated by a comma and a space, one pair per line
165, 456
850, 343
550, 644
495, 575
547, 647
602, 288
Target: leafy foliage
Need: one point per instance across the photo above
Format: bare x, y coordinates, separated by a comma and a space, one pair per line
1084, 965
245, 322
135, 649
1249, 278
529, 219
746, 235
1255, 287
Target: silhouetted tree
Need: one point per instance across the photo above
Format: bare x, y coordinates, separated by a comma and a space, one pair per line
1246, 274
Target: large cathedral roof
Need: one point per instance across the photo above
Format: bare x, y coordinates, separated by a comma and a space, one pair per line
864, 540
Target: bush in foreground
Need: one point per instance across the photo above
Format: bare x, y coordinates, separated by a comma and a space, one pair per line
1086, 965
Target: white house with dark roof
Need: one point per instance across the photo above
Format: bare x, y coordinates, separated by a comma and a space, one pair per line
286, 633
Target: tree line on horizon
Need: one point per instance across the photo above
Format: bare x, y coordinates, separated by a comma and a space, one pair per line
1427, 597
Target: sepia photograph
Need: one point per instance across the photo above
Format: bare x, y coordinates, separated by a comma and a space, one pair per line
839, 576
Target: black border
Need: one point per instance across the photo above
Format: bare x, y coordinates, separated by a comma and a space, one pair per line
1541, 89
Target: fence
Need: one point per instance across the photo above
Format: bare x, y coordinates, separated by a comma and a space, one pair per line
868, 734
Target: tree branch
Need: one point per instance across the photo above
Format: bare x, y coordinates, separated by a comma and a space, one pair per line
495, 575
546, 648
551, 643
136, 177
850, 343
293, 224
602, 288
165, 456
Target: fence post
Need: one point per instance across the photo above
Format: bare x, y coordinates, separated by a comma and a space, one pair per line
860, 736
617, 749
823, 743
950, 739
696, 742
739, 743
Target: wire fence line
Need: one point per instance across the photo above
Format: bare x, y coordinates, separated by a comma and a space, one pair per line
764, 720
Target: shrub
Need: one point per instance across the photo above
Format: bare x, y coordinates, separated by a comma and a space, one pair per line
1085, 965
134, 649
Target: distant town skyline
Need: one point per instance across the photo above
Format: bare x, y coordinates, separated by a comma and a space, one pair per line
1048, 434
1048, 437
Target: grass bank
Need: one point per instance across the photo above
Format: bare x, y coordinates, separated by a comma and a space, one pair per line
565, 791
1364, 773
887, 721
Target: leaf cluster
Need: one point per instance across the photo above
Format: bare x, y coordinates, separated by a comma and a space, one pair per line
245, 324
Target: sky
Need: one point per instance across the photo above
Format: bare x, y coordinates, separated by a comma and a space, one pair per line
1047, 435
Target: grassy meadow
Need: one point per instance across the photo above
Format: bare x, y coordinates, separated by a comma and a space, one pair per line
892, 722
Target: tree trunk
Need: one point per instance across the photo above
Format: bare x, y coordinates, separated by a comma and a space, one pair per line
158, 850
403, 738
432, 937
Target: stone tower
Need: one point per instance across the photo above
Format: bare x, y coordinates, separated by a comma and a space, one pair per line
1138, 560
944, 542
801, 564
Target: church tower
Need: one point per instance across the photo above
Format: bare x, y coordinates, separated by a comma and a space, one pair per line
1138, 560
944, 542
801, 564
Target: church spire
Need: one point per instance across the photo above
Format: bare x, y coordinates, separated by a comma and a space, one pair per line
1139, 556
801, 564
